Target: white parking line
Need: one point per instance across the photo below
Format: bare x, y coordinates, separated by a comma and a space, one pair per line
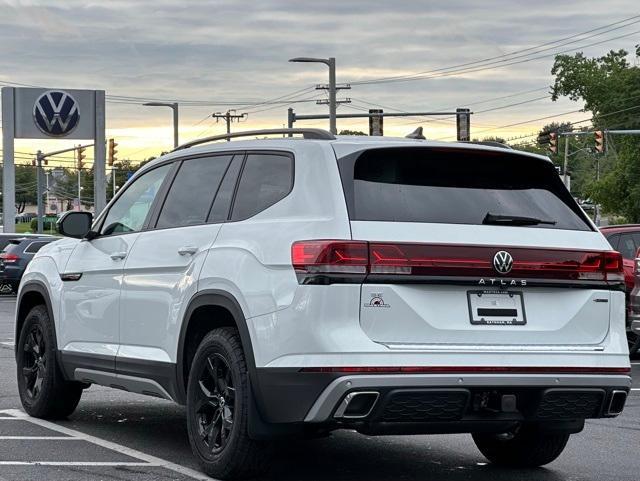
148, 459
635, 388
32, 438
8, 343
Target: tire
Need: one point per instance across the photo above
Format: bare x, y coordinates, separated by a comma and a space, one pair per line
44, 393
526, 448
217, 412
633, 340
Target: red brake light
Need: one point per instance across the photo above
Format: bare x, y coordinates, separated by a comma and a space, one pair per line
9, 258
433, 261
330, 257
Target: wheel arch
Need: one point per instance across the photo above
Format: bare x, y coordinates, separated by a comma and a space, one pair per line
197, 322
32, 293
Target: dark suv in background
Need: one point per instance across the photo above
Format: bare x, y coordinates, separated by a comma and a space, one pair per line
626, 240
16, 255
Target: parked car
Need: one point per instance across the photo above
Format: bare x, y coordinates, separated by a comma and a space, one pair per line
626, 240
285, 287
17, 254
634, 309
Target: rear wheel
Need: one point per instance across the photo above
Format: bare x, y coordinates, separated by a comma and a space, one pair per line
218, 408
43, 390
526, 447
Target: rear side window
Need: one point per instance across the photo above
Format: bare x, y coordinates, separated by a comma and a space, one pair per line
192, 191
456, 186
627, 247
35, 247
266, 179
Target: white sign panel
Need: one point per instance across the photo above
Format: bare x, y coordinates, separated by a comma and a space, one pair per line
54, 113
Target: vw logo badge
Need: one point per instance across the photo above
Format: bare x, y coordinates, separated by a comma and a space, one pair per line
503, 262
56, 113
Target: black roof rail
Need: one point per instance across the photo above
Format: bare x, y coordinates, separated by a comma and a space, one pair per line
316, 134
490, 143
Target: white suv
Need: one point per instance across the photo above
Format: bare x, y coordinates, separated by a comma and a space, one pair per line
293, 286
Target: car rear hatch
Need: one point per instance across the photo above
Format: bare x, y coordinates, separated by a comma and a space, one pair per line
475, 247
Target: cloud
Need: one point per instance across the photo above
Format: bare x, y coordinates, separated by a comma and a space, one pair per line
238, 50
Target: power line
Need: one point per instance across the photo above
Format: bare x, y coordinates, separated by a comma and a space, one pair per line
503, 58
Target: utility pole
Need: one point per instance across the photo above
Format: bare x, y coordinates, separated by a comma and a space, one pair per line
229, 117
39, 158
332, 88
566, 160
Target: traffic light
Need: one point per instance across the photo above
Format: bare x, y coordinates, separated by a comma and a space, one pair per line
553, 142
599, 137
112, 151
81, 157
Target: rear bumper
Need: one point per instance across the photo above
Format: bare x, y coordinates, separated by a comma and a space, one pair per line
436, 402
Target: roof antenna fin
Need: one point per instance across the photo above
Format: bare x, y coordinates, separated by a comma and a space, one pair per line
416, 134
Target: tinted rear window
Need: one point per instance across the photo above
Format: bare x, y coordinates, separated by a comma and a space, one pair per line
455, 186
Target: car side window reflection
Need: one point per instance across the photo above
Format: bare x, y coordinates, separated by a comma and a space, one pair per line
130, 210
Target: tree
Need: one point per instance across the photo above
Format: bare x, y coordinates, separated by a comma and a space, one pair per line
351, 132
610, 88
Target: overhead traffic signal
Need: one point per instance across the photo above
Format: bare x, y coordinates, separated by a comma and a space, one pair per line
81, 157
553, 142
112, 151
599, 138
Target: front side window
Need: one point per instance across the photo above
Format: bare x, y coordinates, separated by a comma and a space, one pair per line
192, 191
266, 179
130, 210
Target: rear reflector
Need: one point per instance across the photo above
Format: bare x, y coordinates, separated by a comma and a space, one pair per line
376, 259
467, 370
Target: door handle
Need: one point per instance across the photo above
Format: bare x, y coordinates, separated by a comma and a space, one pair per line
118, 256
187, 250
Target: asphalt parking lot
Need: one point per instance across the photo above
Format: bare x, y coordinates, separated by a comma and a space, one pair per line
115, 435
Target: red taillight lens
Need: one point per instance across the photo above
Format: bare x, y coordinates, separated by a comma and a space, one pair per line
9, 258
330, 257
380, 260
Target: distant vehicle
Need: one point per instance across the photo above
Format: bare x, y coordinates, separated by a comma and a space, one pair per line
634, 309
626, 240
16, 255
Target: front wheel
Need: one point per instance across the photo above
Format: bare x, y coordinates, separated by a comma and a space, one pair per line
43, 390
526, 447
218, 409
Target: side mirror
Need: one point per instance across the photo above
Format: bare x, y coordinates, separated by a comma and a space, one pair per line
75, 224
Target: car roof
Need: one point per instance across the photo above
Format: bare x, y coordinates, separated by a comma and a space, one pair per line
342, 145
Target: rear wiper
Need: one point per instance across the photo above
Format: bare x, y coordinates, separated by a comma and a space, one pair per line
497, 219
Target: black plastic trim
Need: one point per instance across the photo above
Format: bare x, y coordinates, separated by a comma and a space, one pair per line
40, 288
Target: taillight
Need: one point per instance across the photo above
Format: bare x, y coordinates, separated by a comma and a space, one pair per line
380, 261
321, 258
9, 258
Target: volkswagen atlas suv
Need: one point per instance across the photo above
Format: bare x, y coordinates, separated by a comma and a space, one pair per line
294, 286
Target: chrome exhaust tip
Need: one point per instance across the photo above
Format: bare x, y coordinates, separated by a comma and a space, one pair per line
616, 402
357, 405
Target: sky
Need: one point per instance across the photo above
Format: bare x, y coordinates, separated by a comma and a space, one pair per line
215, 55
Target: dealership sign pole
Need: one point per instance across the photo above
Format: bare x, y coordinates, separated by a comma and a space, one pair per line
37, 113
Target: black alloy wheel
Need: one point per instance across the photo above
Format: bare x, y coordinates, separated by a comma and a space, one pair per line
215, 406
34, 366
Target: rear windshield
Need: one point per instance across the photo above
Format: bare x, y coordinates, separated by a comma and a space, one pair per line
457, 186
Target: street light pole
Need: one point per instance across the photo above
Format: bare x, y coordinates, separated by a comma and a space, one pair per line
174, 107
331, 63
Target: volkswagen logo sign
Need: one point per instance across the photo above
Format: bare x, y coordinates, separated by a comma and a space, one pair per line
56, 113
503, 262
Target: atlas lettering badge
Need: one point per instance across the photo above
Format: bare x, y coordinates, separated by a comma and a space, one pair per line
56, 113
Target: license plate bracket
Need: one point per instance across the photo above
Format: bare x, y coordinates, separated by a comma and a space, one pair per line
496, 308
